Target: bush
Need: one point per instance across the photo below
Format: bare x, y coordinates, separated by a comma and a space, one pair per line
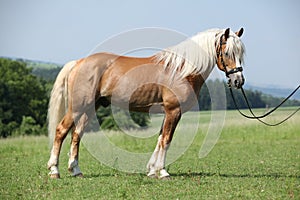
121, 119
29, 127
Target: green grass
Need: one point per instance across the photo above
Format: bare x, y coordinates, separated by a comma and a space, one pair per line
249, 161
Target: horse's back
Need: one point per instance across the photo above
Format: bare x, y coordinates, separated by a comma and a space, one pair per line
121, 67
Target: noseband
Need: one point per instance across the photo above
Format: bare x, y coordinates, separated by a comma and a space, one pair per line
232, 71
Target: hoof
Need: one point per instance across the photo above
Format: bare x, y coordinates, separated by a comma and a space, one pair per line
152, 176
54, 176
79, 175
165, 178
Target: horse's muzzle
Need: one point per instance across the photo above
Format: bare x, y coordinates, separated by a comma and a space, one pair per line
236, 80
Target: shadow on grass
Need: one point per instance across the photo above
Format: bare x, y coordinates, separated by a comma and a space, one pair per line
208, 174
117, 174
198, 174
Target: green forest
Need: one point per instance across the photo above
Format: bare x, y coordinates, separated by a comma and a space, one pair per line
25, 88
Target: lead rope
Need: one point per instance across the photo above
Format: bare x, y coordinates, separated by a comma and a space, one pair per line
266, 114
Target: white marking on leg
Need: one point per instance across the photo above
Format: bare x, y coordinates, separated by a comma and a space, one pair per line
53, 170
53, 161
73, 162
163, 173
160, 163
152, 173
74, 167
152, 162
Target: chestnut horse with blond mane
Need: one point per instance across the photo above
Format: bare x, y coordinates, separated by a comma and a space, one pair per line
171, 79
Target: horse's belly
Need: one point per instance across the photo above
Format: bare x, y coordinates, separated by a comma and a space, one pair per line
137, 97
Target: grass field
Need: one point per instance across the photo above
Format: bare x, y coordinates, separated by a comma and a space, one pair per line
249, 161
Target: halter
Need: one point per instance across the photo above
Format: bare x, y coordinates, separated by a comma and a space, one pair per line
232, 71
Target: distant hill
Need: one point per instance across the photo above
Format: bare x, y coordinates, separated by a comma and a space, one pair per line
34, 64
45, 70
275, 91
41, 65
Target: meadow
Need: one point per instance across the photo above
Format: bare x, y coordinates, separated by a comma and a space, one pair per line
249, 161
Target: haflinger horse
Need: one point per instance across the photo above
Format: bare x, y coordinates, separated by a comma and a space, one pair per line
171, 79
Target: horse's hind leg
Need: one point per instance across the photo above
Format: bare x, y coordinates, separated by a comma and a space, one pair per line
77, 133
62, 130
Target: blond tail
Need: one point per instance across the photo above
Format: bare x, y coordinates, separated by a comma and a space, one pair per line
58, 100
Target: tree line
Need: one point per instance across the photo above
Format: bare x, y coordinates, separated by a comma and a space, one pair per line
24, 98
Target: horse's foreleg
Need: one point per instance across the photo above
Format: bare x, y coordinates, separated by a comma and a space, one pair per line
156, 165
62, 130
151, 164
73, 166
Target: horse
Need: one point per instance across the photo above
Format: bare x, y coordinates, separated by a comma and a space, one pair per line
170, 79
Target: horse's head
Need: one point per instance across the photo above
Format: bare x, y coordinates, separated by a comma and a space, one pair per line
230, 51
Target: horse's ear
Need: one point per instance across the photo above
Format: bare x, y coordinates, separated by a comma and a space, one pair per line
226, 34
240, 32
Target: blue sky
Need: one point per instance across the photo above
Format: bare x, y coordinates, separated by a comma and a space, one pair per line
59, 31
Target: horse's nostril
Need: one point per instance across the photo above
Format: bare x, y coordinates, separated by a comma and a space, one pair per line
236, 82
